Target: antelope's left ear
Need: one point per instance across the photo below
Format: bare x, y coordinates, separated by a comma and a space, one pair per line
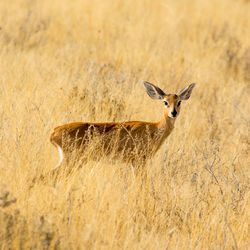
185, 93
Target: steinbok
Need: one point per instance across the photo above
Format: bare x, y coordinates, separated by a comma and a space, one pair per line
128, 141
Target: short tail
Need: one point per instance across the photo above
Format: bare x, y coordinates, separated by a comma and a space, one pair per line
61, 156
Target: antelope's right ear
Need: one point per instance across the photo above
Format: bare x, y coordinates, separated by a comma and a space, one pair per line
153, 91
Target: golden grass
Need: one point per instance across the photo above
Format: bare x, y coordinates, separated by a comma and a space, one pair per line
64, 61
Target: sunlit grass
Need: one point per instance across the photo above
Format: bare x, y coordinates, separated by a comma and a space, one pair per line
64, 61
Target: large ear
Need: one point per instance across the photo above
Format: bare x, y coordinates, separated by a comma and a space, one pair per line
185, 93
153, 91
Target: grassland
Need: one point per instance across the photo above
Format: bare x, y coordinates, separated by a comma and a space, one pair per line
64, 61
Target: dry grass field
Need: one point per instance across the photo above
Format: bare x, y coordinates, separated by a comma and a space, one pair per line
64, 61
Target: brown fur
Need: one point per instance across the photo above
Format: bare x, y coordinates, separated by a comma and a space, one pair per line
128, 141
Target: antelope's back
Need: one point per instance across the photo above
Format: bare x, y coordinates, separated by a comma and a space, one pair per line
123, 140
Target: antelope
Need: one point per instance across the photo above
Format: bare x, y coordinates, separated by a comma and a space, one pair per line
128, 141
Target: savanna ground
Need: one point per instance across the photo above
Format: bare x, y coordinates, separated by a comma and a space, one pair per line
64, 61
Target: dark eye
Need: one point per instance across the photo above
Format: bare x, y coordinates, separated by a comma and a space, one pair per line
179, 103
166, 103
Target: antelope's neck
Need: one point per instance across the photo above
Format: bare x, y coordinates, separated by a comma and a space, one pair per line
166, 125
164, 129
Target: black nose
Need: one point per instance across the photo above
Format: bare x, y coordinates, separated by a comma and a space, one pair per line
174, 113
